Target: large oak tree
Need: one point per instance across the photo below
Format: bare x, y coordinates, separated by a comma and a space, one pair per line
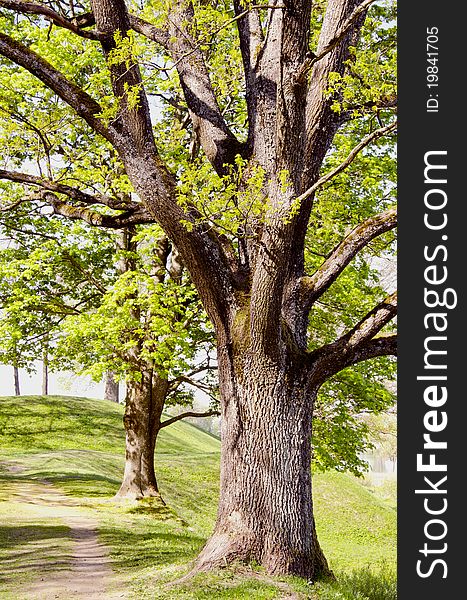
252, 277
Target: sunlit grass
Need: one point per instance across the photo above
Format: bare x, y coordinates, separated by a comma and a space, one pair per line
154, 545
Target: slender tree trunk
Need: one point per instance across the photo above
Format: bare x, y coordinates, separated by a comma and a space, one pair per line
143, 410
45, 372
16, 377
265, 509
111, 388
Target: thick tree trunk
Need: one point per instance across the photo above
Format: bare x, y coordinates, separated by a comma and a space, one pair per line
111, 391
16, 378
144, 403
265, 509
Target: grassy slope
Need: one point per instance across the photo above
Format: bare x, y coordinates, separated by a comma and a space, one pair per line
78, 444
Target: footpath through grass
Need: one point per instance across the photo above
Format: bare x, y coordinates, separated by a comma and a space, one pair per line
78, 445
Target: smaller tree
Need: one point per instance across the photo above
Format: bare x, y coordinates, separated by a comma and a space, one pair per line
150, 331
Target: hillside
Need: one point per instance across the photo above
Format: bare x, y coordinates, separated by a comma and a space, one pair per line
78, 445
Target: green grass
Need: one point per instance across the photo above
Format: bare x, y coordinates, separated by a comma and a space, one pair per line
364, 533
78, 444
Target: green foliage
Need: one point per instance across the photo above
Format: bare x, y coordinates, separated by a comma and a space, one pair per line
369, 82
230, 203
383, 432
44, 276
341, 430
138, 322
362, 96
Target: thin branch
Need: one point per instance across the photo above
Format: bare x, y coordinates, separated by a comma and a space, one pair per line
162, 37
385, 102
14, 205
71, 192
209, 413
10, 227
87, 275
42, 136
374, 135
339, 35
344, 252
31, 8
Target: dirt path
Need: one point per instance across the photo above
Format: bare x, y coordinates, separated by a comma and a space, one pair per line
81, 566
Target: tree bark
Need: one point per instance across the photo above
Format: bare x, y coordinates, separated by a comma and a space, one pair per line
45, 372
142, 420
265, 509
111, 391
16, 378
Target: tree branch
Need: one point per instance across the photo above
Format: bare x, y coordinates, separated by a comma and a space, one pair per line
200, 248
374, 135
358, 344
71, 192
125, 219
86, 274
160, 36
383, 345
218, 142
344, 252
31, 8
343, 30
134, 116
132, 136
209, 413
322, 121
371, 324
251, 39
85, 106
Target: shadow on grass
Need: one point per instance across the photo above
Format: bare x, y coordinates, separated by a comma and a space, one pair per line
151, 548
13, 535
28, 550
82, 486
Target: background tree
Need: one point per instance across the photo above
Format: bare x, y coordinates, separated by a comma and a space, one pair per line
315, 76
43, 278
98, 307
150, 331
383, 432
